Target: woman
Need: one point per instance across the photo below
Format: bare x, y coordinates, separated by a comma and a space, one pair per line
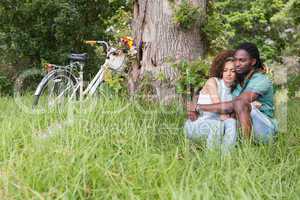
219, 130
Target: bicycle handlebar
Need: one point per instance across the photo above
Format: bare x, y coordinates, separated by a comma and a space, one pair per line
103, 43
90, 42
94, 42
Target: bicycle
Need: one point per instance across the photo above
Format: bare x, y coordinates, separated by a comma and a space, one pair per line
65, 83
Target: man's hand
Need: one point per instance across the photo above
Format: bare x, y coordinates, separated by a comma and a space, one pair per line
257, 104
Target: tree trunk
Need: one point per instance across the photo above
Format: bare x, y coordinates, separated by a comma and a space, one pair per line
163, 41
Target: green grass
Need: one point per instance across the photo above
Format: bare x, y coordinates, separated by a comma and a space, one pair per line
91, 154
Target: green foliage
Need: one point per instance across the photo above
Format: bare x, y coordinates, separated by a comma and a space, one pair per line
186, 15
217, 30
114, 82
293, 85
51, 29
287, 24
5, 85
193, 76
48, 30
119, 24
230, 22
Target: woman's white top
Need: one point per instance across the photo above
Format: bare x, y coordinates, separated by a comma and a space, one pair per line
224, 94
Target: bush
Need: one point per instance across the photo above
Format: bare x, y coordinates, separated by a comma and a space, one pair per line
193, 76
50, 30
5, 85
187, 15
230, 22
293, 85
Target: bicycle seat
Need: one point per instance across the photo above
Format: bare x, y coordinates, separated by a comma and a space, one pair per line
78, 57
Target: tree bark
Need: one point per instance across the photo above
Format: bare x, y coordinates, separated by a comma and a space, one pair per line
164, 41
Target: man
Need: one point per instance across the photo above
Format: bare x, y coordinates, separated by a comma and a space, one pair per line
253, 86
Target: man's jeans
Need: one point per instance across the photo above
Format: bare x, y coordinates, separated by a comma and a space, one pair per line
264, 129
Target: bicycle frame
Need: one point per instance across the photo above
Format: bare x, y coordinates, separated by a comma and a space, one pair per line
99, 77
92, 86
96, 81
111, 62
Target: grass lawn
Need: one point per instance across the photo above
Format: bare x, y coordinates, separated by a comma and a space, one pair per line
139, 153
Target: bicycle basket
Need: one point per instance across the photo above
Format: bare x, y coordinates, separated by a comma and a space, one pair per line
117, 62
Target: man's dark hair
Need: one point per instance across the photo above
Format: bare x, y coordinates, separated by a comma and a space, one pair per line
253, 51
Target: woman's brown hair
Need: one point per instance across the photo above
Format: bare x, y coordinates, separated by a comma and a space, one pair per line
217, 66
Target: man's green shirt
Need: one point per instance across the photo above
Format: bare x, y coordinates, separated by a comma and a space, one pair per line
260, 84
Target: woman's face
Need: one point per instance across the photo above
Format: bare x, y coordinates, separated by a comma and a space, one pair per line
229, 75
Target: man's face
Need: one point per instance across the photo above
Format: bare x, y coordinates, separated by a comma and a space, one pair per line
243, 62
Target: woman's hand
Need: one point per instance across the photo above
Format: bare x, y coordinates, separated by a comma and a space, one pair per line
191, 107
192, 115
223, 117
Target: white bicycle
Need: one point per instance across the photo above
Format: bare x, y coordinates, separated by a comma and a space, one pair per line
65, 83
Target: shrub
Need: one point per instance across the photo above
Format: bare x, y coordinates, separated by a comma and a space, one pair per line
187, 15
293, 85
193, 76
5, 85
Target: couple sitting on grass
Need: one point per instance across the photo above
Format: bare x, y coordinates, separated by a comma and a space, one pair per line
238, 96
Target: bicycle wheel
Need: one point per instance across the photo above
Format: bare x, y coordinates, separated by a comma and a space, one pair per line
56, 89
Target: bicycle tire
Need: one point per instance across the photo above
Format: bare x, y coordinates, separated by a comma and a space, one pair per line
58, 78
